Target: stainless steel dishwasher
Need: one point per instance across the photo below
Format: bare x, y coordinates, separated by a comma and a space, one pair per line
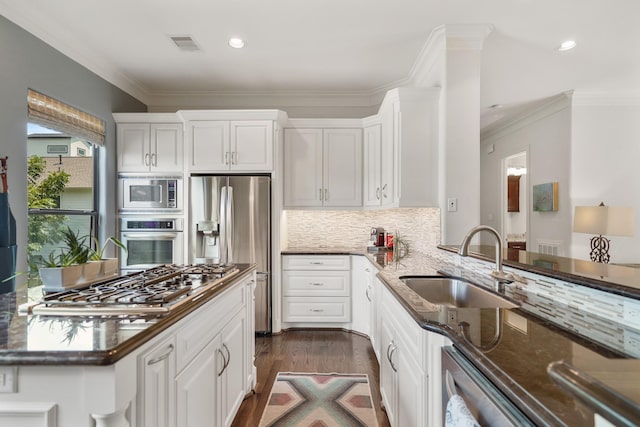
487, 404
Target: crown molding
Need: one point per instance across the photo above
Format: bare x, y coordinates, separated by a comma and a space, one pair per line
70, 47
606, 99
467, 36
509, 125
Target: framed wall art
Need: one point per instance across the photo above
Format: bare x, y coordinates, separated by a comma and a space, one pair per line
545, 197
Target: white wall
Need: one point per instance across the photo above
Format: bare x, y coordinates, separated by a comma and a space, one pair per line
546, 135
605, 160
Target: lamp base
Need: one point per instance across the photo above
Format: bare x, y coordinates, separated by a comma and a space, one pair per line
600, 249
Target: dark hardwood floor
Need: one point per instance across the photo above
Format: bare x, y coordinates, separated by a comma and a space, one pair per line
309, 351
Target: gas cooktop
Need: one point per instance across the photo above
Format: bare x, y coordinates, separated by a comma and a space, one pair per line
153, 291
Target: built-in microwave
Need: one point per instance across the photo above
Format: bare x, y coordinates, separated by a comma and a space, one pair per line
150, 193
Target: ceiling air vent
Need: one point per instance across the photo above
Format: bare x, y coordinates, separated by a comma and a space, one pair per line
185, 43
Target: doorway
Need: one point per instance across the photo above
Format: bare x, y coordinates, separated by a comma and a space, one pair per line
515, 203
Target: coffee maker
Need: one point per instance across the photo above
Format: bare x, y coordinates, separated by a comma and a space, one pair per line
377, 239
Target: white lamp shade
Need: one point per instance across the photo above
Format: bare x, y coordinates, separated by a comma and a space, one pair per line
604, 220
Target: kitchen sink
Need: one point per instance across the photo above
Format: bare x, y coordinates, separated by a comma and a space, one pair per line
454, 292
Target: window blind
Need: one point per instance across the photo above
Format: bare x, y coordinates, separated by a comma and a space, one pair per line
64, 118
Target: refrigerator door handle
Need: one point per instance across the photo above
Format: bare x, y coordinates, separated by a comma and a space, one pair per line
230, 226
263, 273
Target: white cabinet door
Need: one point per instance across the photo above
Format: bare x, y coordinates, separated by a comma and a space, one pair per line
303, 167
208, 146
133, 147
387, 156
233, 345
360, 295
156, 402
372, 168
144, 147
252, 145
374, 324
411, 395
198, 388
166, 148
388, 377
342, 169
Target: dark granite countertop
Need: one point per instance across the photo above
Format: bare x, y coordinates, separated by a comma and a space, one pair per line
616, 279
517, 364
85, 340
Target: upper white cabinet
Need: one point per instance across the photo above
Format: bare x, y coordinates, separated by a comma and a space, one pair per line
322, 167
221, 145
411, 117
148, 145
378, 163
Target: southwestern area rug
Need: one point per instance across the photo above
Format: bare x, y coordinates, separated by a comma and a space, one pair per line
319, 400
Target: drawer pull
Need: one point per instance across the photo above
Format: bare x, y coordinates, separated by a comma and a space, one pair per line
161, 357
316, 263
316, 310
316, 284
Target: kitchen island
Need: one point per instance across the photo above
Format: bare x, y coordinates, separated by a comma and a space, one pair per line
191, 364
515, 348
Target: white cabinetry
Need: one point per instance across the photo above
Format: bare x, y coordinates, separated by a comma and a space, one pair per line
402, 379
374, 294
361, 284
378, 162
204, 381
411, 115
316, 288
157, 368
410, 379
322, 167
148, 146
223, 145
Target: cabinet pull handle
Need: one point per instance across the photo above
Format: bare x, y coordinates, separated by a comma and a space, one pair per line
228, 356
384, 191
316, 284
393, 350
146, 159
316, 310
320, 193
367, 294
378, 193
154, 160
388, 349
161, 357
226, 158
234, 158
224, 362
316, 263
326, 194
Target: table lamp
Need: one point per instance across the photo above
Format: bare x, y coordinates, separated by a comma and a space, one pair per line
603, 220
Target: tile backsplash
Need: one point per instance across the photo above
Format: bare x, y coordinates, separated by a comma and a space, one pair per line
419, 226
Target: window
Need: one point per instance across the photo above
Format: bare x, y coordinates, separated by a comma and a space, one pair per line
62, 187
57, 149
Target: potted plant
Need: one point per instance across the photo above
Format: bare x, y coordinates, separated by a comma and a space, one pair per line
80, 251
109, 265
59, 271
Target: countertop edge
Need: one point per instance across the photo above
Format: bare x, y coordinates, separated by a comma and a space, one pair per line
115, 354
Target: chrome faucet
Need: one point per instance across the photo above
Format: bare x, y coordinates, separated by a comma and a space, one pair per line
464, 250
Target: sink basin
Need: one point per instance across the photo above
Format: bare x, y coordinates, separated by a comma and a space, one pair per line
454, 292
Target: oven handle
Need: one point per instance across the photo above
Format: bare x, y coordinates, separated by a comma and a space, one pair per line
155, 236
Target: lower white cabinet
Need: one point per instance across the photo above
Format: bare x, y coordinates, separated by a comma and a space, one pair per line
409, 367
199, 374
156, 391
374, 294
316, 289
361, 299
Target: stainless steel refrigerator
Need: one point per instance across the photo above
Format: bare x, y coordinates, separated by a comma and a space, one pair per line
230, 223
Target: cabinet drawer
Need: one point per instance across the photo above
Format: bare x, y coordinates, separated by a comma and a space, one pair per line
316, 283
316, 262
317, 309
206, 323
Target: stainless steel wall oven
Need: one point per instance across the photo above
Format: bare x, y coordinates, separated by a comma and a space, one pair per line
150, 242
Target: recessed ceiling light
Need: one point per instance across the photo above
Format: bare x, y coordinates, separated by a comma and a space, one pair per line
236, 43
567, 45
